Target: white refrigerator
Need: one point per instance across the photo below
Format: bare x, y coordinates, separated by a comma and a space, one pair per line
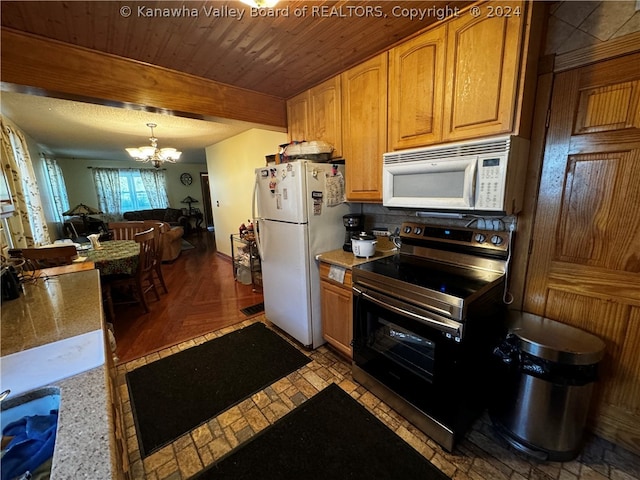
298, 209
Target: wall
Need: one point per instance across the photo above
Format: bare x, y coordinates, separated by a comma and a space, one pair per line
574, 25
80, 187
231, 164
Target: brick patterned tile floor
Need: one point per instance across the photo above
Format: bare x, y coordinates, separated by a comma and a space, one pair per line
482, 455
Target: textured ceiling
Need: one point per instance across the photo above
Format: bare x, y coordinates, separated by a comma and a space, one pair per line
82, 130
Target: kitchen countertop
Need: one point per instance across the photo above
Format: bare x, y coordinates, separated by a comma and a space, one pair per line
348, 260
56, 309
50, 310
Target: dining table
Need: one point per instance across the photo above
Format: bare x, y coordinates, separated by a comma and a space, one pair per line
115, 257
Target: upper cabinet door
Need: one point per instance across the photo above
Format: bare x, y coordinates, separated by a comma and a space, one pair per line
364, 128
298, 117
326, 114
416, 90
483, 64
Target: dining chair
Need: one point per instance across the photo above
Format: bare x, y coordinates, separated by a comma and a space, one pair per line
46, 257
126, 230
160, 229
142, 281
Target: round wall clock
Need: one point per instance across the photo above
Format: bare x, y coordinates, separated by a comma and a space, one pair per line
186, 179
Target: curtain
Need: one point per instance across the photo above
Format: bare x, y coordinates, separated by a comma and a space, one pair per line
58, 187
155, 184
28, 226
107, 183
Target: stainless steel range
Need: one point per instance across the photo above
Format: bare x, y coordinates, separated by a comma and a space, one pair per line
426, 321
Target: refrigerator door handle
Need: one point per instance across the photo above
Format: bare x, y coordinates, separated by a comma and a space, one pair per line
256, 229
256, 220
254, 199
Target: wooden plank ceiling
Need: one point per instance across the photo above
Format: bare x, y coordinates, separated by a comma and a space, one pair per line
277, 55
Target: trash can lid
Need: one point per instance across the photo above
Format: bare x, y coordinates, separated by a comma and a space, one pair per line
555, 341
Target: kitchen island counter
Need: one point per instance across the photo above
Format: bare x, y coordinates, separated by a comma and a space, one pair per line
49, 312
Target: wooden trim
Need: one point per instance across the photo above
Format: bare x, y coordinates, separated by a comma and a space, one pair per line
526, 217
595, 53
75, 71
224, 256
62, 269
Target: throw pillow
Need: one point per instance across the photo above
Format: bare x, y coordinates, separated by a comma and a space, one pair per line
172, 215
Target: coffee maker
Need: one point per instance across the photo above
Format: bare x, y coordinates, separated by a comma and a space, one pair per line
353, 223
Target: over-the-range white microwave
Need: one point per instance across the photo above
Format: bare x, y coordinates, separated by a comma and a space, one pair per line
485, 175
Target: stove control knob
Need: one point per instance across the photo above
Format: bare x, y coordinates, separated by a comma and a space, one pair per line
417, 230
407, 229
497, 240
480, 237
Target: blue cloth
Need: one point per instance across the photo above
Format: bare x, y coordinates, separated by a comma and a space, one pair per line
34, 438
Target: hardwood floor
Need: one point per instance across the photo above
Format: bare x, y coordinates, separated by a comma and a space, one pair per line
203, 297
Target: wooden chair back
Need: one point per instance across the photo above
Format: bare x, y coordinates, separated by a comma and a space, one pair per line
126, 230
143, 280
147, 258
160, 228
46, 257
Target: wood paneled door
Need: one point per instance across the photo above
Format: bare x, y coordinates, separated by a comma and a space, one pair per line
584, 267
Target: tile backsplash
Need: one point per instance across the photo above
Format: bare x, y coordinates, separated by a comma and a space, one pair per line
378, 216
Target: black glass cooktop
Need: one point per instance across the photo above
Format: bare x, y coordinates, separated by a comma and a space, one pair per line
460, 282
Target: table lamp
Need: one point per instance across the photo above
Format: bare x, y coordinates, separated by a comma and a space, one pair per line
189, 199
82, 210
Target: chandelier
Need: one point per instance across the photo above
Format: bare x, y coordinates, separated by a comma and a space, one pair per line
157, 156
260, 3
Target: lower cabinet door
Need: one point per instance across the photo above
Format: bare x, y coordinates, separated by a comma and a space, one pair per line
337, 327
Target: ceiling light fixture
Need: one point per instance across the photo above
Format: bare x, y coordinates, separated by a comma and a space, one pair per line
260, 3
157, 156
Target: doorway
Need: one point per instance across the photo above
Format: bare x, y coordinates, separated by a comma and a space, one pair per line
206, 200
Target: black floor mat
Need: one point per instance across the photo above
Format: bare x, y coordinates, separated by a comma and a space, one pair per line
253, 309
330, 436
173, 395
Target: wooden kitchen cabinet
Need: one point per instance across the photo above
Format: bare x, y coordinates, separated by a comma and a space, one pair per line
298, 117
316, 114
416, 90
483, 68
120, 451
364, 128
325, 107
336, 303
467, 78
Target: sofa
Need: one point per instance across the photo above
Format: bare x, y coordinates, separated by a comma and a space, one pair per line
170, 236
172, 216
170, 240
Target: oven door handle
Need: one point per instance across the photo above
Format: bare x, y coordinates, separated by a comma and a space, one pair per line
453, 328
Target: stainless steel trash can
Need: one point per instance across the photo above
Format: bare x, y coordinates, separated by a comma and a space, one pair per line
546, 374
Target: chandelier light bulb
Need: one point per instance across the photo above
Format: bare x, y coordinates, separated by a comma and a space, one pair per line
260, 3
152, 153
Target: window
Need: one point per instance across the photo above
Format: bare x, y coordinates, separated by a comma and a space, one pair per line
125, 190
133, 195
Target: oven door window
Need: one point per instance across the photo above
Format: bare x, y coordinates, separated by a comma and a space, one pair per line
407, 355
403, 347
